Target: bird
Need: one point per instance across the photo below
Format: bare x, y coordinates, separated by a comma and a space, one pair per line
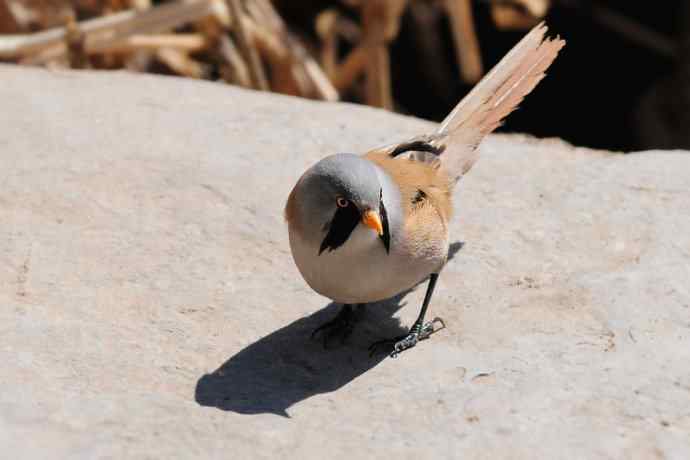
364, 228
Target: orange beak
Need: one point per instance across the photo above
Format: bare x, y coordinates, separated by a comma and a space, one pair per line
372, 220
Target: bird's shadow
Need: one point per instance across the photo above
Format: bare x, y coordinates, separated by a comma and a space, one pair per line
286, 367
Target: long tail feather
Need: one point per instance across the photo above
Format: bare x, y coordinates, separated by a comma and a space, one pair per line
494, 98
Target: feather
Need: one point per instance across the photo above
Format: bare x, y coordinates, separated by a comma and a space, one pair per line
492, 99
413, 176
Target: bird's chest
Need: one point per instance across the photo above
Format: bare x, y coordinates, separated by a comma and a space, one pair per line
362, 270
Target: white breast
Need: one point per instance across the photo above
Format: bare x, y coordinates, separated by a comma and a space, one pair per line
360, 271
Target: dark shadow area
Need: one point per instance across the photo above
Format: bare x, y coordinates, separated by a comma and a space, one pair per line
286, 367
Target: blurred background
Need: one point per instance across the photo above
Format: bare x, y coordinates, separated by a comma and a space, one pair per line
621, 83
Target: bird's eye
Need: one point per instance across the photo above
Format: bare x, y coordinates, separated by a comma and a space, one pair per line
341, 202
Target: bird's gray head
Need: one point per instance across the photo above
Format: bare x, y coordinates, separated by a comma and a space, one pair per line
343, 175
338, 193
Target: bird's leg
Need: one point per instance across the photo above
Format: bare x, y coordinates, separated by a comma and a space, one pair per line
424, 330
342, 325
418, 331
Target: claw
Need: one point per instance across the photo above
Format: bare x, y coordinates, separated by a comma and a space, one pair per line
429, 328
408, 342
404, 342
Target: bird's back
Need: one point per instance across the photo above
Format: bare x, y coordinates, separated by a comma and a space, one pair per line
419, 183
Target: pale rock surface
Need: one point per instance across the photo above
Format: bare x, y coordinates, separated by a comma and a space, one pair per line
149, 306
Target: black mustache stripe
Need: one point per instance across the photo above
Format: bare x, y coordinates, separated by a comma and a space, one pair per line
343, 223
386, 237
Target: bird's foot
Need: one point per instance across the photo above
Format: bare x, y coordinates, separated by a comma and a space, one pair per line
340, 326
401, 343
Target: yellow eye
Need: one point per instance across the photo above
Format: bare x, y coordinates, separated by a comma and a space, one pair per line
341, 202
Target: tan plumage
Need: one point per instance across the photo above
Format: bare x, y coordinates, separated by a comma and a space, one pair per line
427, 202
412, 176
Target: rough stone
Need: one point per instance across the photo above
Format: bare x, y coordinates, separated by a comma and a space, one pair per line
150, 308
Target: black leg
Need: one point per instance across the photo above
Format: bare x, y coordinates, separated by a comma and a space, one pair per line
340, 326
418, 331
418, 325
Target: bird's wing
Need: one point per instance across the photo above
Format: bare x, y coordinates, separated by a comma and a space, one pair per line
421, 185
